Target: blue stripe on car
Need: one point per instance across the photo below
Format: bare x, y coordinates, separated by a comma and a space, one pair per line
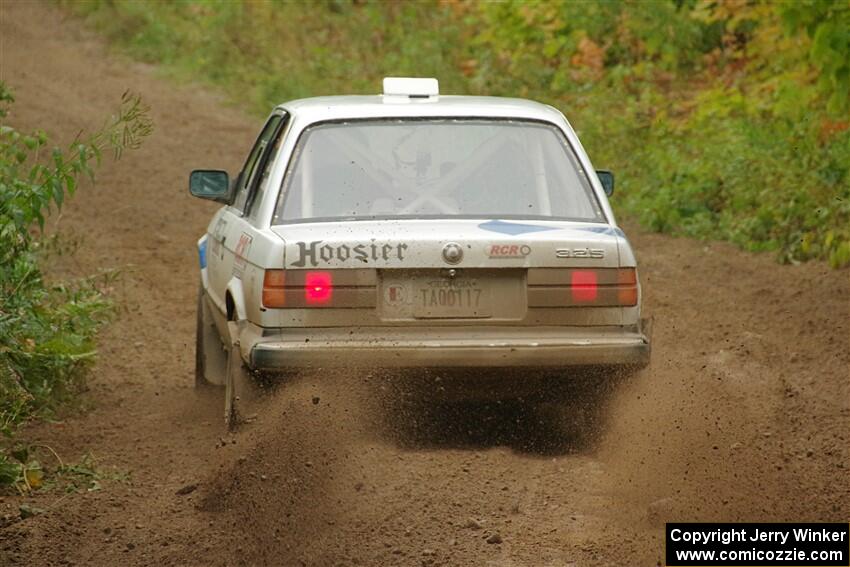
202, 253
513, 228
610, 230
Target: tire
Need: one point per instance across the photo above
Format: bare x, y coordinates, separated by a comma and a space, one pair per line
210, 356
241, 391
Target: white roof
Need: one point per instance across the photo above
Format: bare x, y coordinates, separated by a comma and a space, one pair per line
379, 106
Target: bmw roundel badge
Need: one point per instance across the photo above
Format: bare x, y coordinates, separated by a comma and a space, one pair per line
452, 253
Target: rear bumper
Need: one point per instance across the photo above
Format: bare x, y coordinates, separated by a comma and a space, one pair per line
445, 347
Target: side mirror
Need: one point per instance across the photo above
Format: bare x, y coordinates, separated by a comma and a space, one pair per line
607, 180
212, 184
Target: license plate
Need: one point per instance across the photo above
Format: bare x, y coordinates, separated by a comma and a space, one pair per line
454, 299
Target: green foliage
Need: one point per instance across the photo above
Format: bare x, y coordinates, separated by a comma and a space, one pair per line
47, 329
21, 469
723, 119
262, 51
713, 114
827, 23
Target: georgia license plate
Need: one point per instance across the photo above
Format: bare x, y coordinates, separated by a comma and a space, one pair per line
451, 299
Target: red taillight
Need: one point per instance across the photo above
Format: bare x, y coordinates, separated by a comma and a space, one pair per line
584, 285
318, 287
274, 294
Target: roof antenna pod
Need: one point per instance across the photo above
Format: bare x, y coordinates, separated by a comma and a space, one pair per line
411, 87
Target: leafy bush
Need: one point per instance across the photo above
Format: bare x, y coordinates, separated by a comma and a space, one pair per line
47, 328
724, 119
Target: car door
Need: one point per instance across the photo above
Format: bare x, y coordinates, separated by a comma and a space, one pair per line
231, 234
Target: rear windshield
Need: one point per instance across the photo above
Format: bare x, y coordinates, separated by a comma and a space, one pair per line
434, 169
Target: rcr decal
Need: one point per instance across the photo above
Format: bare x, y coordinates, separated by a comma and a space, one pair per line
508, 250
313, 253
596, 253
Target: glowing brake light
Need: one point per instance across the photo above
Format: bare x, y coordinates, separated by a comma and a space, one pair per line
318, 287
584, 285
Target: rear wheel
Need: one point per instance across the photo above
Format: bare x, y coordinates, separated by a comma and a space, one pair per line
241, 389
210, 355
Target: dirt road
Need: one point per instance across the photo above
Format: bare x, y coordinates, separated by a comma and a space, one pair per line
743, 415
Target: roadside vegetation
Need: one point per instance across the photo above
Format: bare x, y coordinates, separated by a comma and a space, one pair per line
47, 326
723, 119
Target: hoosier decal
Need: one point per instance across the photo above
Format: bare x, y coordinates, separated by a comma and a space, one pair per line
312, 253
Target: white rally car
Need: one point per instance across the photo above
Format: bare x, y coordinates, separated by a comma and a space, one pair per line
411, 229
